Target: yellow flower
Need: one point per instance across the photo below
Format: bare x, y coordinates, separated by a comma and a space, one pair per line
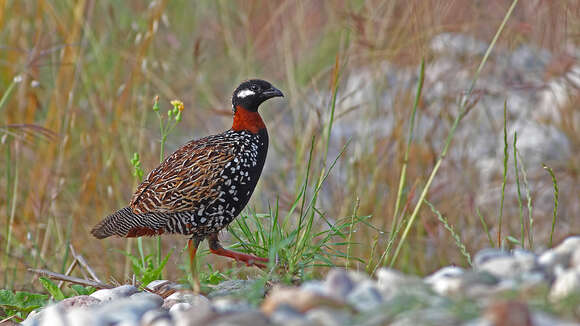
178, 104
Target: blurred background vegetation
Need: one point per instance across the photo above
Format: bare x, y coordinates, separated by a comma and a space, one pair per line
78, 78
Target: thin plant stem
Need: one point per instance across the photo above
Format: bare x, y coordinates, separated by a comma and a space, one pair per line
485, 228
520, 205
350, 231
504, 181
450, 136
452, 231
529, 205
403, 176
556, 195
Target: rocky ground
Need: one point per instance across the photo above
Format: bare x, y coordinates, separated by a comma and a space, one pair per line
518, 287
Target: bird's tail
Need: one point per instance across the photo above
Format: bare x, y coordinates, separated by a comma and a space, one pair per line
125, 223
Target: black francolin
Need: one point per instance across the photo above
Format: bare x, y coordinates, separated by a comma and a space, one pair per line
200, 188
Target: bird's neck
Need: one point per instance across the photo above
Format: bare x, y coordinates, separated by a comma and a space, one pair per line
247, 120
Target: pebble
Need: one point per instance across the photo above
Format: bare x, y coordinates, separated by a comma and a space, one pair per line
329, 317
285, 314
348, 297
365, 296
338, 283
566, 284
299, 300
156, 318
390, 282
180, 306
446, 281
115, 293
187, 297
232, 288
559, 258
78, 301
195, 315
243, 318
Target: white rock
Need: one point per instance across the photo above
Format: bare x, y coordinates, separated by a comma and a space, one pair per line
447, 280
391, 281
565, 284
53, 315
226, 305
118, 292
182, 306
328, 317
338, 283
191, 298
365, 296
156, 318
575, 259
488, 254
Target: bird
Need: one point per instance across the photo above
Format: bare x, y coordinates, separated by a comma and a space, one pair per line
204, 185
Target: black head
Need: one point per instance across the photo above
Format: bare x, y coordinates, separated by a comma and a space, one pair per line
251, 93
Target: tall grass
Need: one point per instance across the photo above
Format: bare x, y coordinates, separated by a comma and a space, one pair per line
90, 68
462, 110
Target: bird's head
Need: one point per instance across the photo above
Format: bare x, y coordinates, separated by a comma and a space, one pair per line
251, 93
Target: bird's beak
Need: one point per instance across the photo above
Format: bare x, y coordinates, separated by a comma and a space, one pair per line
272, 92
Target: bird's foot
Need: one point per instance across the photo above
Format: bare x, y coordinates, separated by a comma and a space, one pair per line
249, 260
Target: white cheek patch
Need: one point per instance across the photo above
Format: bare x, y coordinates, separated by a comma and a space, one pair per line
244, 93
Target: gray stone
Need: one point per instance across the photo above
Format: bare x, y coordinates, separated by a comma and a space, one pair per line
487, 254
428, 316
53, 315
507, 266
338, 283
164, 286
565, 285
148, 295
32, 319
559, 256
127, 310
195, 315
543, 319
232, 288
329, 317
180, 306
317, 287
187, 297
78, 301
287, 315
575, 259
156, 318
246, 318
365, 296
358, 276
225, 305
390, 282
447, 280
118, 292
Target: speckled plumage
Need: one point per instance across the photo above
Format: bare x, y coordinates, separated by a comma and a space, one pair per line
200, 188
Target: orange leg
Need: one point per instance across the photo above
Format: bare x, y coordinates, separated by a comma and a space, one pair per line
192, 245
216, 248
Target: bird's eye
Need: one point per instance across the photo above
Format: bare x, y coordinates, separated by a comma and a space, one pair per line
254, 88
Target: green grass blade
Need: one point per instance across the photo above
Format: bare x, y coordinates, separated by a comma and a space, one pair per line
456, 237
520, 205
403, 176
556, 196
485, 228
459, 116
504, 180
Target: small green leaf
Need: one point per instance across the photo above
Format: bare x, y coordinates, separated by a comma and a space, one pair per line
82, 290
513, 240
52, 288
